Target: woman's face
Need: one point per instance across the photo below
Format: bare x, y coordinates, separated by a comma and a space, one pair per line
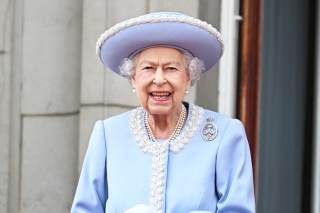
160, 80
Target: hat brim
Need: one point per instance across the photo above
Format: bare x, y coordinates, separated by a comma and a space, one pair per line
198, 41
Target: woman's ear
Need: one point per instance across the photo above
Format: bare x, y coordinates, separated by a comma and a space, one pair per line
133, 81
189, 81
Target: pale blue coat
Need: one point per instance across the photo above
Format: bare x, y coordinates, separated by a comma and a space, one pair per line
205, 176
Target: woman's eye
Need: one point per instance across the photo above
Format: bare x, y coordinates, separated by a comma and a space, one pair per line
147, 68
171, 69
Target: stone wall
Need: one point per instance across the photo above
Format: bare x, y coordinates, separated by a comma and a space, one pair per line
5, 93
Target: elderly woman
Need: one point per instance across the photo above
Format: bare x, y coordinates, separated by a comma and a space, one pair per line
167, 155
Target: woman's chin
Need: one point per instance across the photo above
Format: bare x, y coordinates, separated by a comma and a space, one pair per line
161, 109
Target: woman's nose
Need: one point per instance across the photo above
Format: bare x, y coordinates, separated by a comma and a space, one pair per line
159, 78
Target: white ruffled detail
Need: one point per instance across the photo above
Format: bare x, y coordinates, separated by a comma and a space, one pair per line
154, 18
158, 172
159, 150
139, 131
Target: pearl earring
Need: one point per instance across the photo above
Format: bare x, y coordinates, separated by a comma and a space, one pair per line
187, 92
133, 90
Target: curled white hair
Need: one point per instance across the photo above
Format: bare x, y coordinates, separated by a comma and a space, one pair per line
193, 65
127, 67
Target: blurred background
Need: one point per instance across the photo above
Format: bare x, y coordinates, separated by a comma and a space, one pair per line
53, 88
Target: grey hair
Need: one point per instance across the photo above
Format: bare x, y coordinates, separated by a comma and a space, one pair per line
193, 65
127, 67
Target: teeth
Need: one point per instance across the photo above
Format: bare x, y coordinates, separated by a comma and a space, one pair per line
160, 93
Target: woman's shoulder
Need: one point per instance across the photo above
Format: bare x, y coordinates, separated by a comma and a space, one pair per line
117, 119
222, 121
217, 117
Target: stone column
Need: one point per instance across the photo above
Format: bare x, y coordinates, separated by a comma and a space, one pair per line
5, 93
50, 67
103, 93
208, 85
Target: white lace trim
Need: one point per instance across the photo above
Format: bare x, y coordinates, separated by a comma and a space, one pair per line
159, 150
147, 146
154, 19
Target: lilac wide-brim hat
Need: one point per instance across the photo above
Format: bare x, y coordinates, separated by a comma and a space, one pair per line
167, 29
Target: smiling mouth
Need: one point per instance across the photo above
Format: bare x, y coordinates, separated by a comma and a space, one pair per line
160, 95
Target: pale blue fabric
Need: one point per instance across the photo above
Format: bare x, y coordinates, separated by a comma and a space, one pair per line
214, 176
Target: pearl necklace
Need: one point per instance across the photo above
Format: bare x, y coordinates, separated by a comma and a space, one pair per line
176, 130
